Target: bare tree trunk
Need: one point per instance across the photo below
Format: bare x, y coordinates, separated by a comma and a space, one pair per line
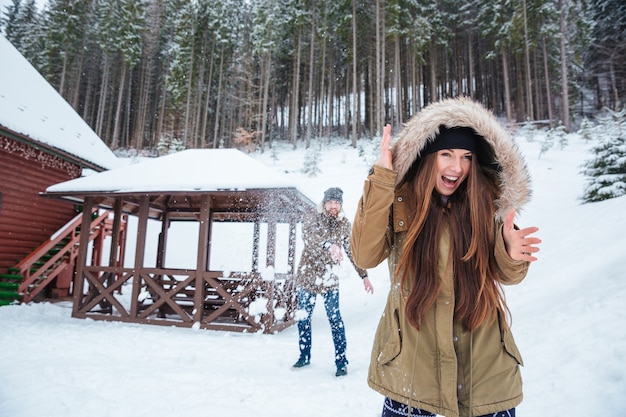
507, 88
77, 80
398, 85
88, 108
564, 78
346, 105
189, 90
295, 99
141, 112
63, 72
145, 99
197, 125
433, 72
207, 100
267, 66
371, 95
148, 85
322, 89
218, 103
613, 78
309, 101
378, 80
161, 121
331, 93
416, 83
115, 140
104, 86
355, 109
471, 88
529, 82
547, 78
128, 114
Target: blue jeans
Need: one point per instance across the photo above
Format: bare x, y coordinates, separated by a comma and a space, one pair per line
306, 303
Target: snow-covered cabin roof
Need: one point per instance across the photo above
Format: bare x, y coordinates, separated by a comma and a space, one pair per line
196, 170
32, 108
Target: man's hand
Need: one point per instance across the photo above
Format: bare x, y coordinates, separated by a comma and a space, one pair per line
368, 285
335, 253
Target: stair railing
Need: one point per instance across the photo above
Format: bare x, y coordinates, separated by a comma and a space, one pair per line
36, 280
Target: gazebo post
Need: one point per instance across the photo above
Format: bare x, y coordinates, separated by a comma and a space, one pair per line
82, 255
140, 248
292, 247
271, 243
162, 245
256, 238
204, 250
115, 232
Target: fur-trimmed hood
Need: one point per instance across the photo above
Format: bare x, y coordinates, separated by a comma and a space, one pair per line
504, 154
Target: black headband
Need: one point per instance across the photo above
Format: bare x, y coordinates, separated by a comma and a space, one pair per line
453, 138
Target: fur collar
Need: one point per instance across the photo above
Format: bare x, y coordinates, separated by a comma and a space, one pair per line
514, 179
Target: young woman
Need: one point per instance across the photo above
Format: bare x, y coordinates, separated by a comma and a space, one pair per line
439, 205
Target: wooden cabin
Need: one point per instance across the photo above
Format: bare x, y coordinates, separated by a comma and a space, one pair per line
215, 248
43, 141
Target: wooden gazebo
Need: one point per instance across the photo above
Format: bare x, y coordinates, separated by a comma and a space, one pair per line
225, 245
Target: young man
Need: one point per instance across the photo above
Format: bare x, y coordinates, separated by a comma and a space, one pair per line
326, 234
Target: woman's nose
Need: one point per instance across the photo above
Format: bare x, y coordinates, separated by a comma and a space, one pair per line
456, 165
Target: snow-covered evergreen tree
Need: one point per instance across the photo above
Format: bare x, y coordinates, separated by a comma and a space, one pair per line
67, 24
23, 28
312, 161
607, 170
169, 144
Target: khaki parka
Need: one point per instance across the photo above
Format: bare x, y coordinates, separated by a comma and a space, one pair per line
316, 270
442, 368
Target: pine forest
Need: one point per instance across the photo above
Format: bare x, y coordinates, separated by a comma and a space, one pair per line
231, 73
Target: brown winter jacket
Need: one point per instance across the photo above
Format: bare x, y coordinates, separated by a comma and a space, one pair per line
316, 270
442, 368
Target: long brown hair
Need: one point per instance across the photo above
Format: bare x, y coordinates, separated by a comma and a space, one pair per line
470, 213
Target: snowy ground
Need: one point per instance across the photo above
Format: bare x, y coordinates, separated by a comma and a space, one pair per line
568, 319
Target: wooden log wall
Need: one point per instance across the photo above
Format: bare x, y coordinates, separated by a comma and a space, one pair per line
26, 218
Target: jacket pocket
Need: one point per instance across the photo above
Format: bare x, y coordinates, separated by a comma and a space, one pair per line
509, 345
391, 346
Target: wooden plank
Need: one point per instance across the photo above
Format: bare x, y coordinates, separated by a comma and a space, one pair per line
204, 249
140, 250
167, 296
101, 291
81, 259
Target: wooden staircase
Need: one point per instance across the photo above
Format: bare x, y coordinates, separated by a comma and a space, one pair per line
51, 266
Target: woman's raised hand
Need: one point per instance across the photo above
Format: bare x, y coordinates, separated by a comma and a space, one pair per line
519, 244
385, 159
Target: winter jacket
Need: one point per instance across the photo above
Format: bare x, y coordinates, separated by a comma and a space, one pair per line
442, 368
316, 270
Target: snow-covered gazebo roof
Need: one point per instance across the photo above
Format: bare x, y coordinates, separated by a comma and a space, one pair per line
236, 181
32, 111
189, 170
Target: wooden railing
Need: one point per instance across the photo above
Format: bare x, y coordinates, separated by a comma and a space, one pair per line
184, 298
56, 257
